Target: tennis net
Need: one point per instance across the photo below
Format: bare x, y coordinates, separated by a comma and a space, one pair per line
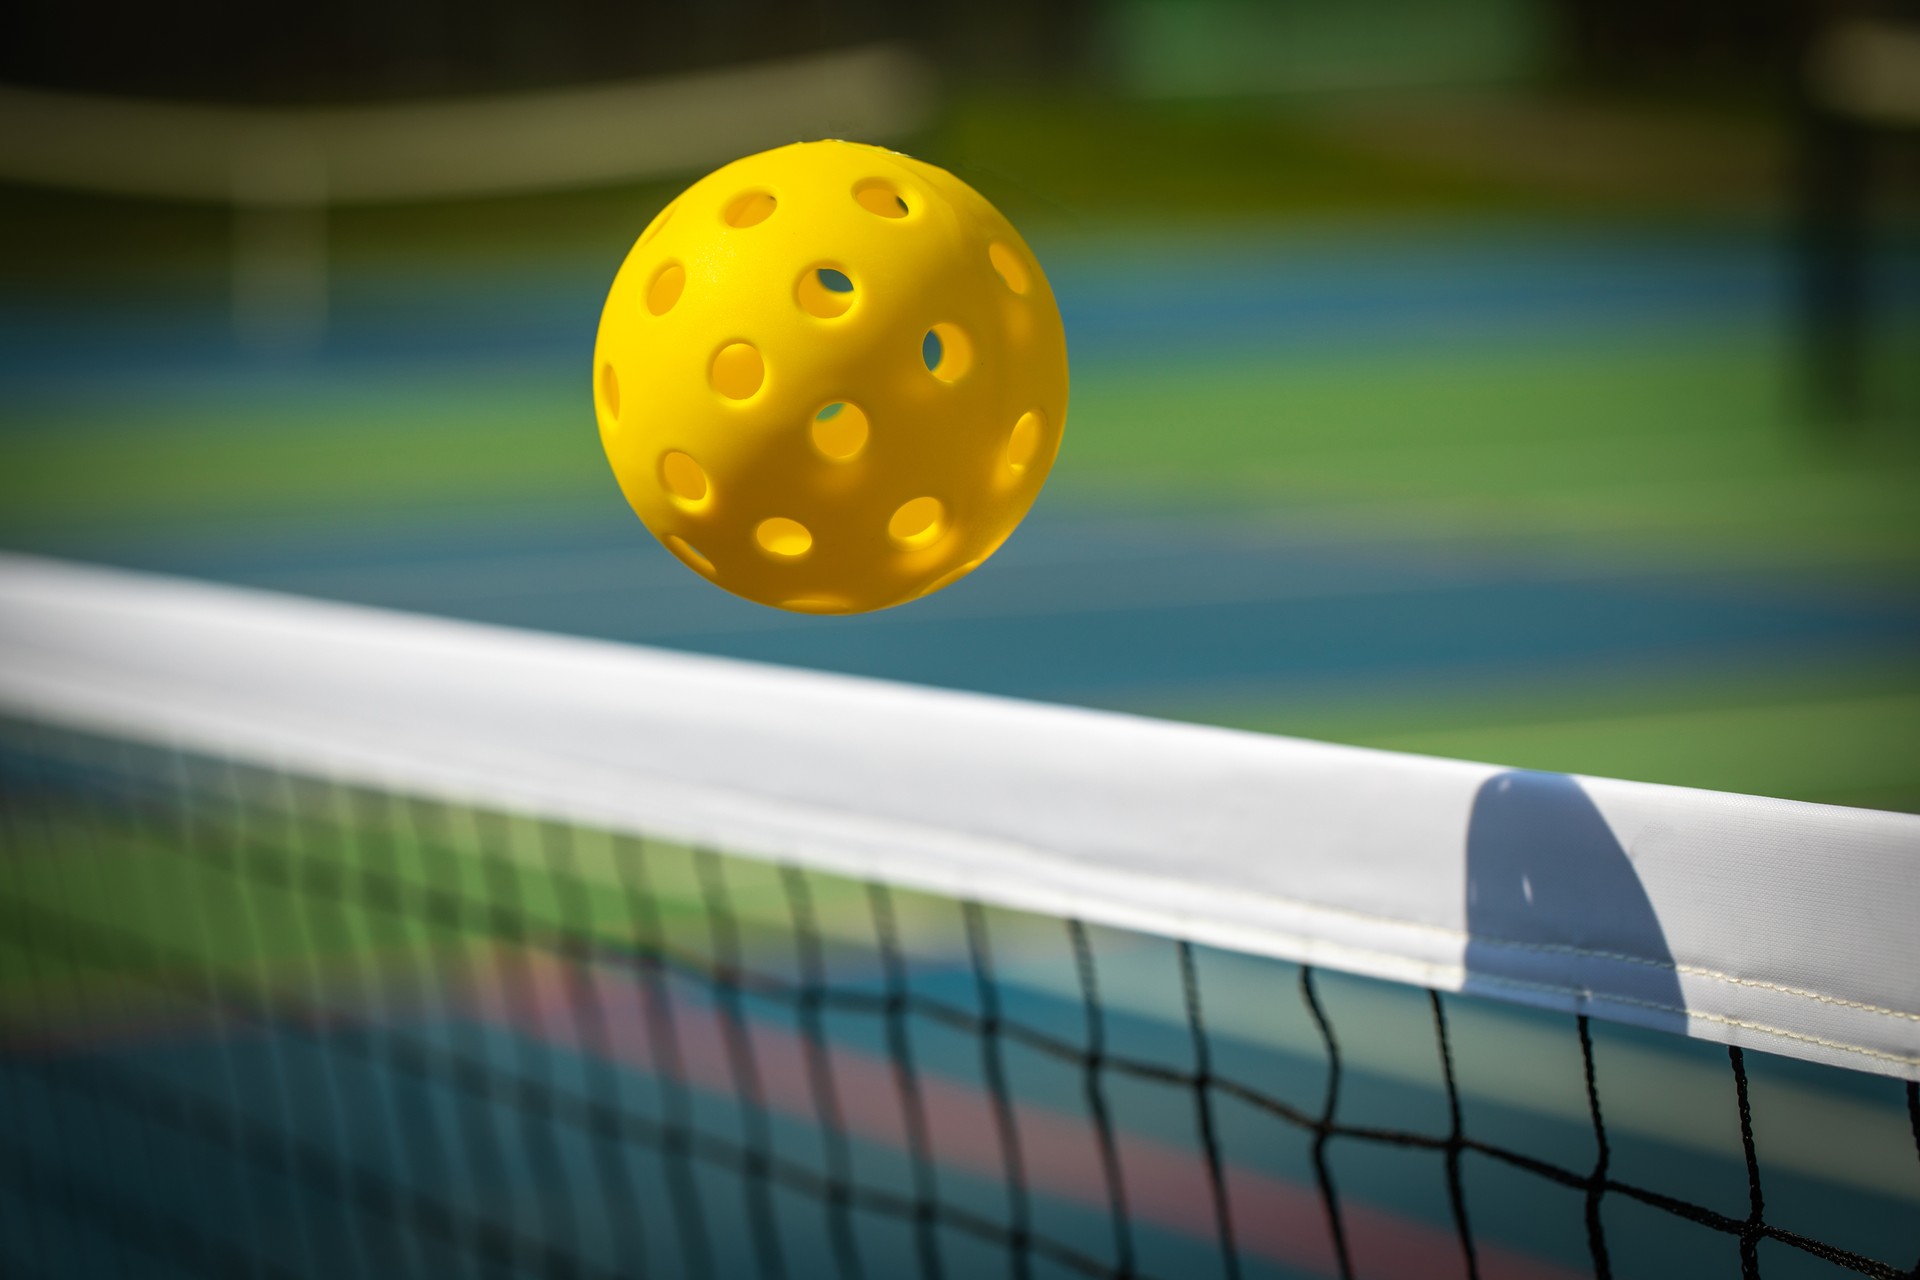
343, 943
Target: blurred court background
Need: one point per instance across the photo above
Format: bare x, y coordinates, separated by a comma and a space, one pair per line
1535, 381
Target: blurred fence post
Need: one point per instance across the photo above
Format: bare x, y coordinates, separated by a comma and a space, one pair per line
1861, 81
279, 242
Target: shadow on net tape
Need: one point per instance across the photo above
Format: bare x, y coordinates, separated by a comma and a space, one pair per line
1555, 907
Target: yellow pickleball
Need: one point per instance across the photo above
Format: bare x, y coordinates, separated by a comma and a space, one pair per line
830, 378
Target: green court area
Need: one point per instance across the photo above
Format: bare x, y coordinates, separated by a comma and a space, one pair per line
207, 884
1294, 345
1670, 444
1846, 736
1664, 445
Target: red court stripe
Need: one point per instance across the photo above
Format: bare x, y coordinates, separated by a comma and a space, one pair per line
1275, 1218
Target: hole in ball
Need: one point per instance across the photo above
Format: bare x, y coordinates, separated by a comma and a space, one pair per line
787, 539
738, 370
750, 209
840, 430
610, 391
947, 579
918, 523
668, 281
880, 197
824, 292
683, 479
1024, 441
947, 351
818, 604
659, 222
689, 555
1009, 266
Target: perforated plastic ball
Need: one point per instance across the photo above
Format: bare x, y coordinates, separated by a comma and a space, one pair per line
830, 378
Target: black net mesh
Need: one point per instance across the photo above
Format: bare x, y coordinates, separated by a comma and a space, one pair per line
253, 1023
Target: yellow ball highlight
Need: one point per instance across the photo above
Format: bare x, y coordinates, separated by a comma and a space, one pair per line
830, 378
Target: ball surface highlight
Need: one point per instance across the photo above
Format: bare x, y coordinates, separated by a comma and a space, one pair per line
830, 378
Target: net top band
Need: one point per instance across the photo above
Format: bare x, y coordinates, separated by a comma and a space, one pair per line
1768, 924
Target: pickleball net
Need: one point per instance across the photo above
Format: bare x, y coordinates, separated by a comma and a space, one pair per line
278, 998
